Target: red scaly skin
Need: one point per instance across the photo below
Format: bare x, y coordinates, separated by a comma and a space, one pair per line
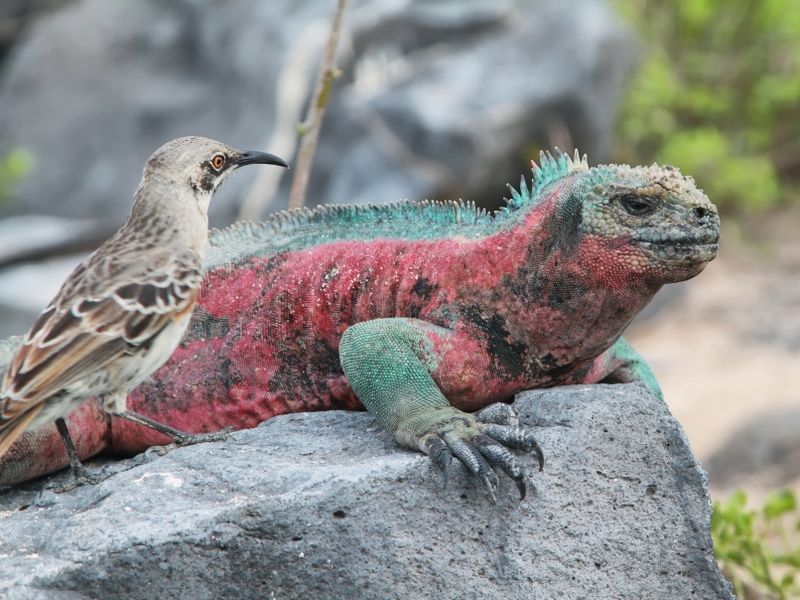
265, 333
285, 321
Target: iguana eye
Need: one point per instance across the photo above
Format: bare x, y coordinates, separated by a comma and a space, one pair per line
218, 162
638, 206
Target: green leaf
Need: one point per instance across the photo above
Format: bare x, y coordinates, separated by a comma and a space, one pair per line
13, 166
697, 14
779, 503
717, 94
748, 181
757, 549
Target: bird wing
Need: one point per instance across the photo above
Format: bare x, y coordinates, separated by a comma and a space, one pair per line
98, 316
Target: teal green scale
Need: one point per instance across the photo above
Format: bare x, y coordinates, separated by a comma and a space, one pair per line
389, 362
633, 367
288, 231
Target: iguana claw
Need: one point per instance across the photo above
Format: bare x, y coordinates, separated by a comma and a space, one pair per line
469, 454
499, 413
500, 456
481, 442
502, 425
441, 456
516, 437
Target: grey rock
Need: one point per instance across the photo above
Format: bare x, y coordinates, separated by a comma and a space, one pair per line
25, 289
94, 88
325, 505
25, 234
17, 15
470, 104
445, 98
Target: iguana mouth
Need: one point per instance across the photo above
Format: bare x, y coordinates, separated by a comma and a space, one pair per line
683, 249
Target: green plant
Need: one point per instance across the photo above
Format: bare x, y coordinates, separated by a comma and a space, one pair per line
759, 550
13, 167
718, 95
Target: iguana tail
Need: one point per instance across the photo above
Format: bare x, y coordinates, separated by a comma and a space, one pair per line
41, 451
11, 429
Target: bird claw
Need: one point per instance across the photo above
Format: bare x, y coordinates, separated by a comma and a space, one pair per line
188, 439
81, 476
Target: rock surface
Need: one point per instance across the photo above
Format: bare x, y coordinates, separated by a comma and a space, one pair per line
327, 506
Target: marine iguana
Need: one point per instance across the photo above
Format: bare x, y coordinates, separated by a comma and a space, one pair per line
421, 312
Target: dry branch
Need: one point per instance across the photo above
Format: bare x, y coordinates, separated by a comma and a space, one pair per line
309, 129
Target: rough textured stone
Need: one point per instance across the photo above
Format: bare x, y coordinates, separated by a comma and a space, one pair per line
327, 506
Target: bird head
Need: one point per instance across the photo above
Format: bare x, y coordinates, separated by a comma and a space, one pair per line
199, 165
178, 182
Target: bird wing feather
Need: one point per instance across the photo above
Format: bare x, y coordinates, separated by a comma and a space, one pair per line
96, 318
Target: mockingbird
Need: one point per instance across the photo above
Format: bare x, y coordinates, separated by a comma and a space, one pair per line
122, 312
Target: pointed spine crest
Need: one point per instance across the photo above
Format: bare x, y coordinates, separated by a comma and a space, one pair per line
549, 170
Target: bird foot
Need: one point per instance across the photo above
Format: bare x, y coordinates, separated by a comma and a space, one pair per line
188, 439
81, 476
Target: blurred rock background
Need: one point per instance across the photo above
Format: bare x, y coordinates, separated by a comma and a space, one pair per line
437, 99
441, 99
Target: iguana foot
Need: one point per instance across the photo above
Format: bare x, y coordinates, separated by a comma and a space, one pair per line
503, 414
503, 426
480, 441
498, 413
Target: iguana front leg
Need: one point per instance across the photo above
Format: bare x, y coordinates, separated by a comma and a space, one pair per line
622, 364
390, 365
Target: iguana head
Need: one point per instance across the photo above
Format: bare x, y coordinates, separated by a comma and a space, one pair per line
651, 222
653, 219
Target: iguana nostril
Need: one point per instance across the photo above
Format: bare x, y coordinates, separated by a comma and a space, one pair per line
700, 213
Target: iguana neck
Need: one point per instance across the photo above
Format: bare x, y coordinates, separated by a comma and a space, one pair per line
550, 281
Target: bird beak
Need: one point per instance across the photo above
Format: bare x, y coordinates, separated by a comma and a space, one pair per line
254, 157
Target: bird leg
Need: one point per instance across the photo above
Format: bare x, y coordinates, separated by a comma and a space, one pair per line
79, 472
180, 438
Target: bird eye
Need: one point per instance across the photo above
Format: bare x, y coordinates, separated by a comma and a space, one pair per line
638, 206
218, 161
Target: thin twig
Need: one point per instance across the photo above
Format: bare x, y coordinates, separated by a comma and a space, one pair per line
309, 130
292, 87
